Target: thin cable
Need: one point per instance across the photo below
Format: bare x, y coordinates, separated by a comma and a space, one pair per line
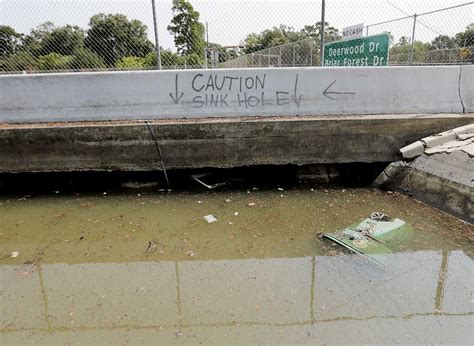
421, 14
419, 21
159, 152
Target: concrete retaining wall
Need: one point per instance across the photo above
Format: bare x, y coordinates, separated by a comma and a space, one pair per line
236, 92
128, 146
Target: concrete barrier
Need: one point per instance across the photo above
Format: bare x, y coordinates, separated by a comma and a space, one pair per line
235, 92
466, 88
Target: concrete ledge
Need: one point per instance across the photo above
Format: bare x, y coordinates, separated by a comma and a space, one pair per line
449, 141
128, 146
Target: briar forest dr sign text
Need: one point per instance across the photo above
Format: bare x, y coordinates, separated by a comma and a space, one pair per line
365, 51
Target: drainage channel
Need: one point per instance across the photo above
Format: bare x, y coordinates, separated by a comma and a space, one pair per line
87, 256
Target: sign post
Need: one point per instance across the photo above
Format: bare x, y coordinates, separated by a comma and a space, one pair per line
364, 51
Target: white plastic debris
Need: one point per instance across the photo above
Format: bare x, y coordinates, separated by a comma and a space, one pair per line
252, 204
15, 254
210, 218
280, 189
236, 213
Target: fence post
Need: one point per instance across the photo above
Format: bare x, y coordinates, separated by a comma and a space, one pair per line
294, 53
311, 53
157, 43
279, 59
412, 39
206, 51
321, 49
367, 30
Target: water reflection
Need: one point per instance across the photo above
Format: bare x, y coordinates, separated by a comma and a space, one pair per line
274, 292
258, 275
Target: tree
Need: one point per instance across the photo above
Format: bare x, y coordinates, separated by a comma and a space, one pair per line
403, 41
131, 62
188, 32
271, 38
83, 58
32, 41
400, 52
63, 40
442, 42
10, 40
223, 54
113, 37
19, 61
285, 34
54, 61
314, 31
465, 38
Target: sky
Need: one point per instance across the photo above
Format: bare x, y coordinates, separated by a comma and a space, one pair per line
231, 21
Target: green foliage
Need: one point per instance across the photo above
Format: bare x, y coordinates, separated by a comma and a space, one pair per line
63, 40
10, 41
223, 54
442, 42
314, 31
285, 34
54, 61
271, 38
131, 62
466, 38
20, 61
32, 41
46, 38
83, 58
169, 59
401, 51
188, 32
173, 60
193, 60
113, 37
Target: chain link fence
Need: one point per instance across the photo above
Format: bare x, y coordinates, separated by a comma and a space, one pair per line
95, 35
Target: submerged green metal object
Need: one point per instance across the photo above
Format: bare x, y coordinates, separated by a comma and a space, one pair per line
370, 237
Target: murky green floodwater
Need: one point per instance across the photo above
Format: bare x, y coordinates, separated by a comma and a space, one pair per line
259, 274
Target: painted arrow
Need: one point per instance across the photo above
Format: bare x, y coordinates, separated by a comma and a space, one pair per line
296, 99
327, 93
176, 98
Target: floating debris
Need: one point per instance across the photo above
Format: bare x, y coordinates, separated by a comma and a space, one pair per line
210, 218
139, 185
15, 254
198, 178
370, 237
152, 246
377, 216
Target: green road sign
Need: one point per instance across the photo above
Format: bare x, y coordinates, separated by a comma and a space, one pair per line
365, 51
